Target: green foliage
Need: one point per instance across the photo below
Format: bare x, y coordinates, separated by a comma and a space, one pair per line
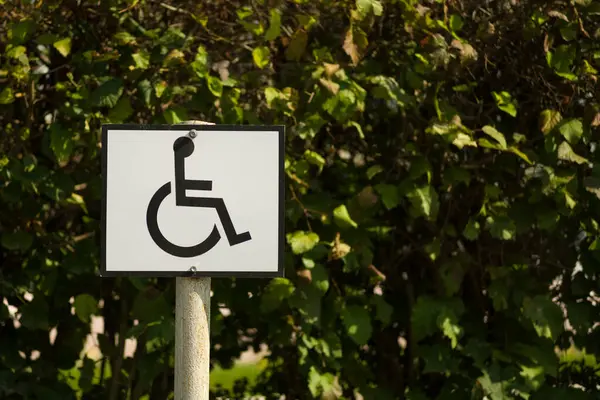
442, 195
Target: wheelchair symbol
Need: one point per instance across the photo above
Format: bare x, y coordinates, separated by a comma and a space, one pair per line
183, 148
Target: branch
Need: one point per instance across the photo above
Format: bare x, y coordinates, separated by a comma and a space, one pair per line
118, 362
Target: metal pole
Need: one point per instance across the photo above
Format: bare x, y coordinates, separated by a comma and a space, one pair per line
192, 334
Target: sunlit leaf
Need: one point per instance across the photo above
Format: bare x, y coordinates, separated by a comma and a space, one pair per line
141, 59
342, 217
63, 46
495, 134
274, 25
366, 7
301, 241
425, 202
261, 56
390, 195
506, 103
566, 153
276, 291
6, 95
175, 115
571, 130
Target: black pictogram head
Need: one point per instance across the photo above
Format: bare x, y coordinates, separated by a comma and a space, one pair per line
183, 146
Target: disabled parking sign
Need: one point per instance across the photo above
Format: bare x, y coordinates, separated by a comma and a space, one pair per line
192, 200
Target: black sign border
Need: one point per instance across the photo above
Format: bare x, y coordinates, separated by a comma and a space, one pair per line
280, 129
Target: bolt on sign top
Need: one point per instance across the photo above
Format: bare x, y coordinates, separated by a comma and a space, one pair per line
192, 200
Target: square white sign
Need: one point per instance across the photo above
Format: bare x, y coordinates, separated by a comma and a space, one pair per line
183, 200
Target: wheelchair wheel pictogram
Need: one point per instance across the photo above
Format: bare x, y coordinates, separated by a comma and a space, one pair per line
183, 148
162, 242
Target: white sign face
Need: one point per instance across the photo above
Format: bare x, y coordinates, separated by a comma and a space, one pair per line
192, 200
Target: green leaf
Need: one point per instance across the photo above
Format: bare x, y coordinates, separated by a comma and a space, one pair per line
383, 311
20, 32
562, 59
124, 38
34, 315
462, 139
430, 316
85, 305
374, 170
492, 132
456, 175
456, 23
17, 240
274, 25
315, 159
107, 94
547, 219
301, 241
320, 278
452, 273
320, 384
433, 249
592, 185
419, 166
244, 12
150, 306
175, 115
61, 143
47, 39
388, 89
568, 33
145, 89
519, 153
200, 64
492, 388
359, 129
505, 102
425, 202
7, 96
121, 111
215, 85
261, 56
278, 290
309, 127
159, 88
471, 231
424, 316
297, 46
571, 129
501, 227
451, 330
366, 7
271, 94
141, 59
16, 52
63, 46
389, 195
566, 153
545, 315
357, 321
342, 217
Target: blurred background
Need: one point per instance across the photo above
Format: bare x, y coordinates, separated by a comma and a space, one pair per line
442, 196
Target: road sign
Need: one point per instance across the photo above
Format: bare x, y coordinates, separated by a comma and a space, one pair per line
202, 200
